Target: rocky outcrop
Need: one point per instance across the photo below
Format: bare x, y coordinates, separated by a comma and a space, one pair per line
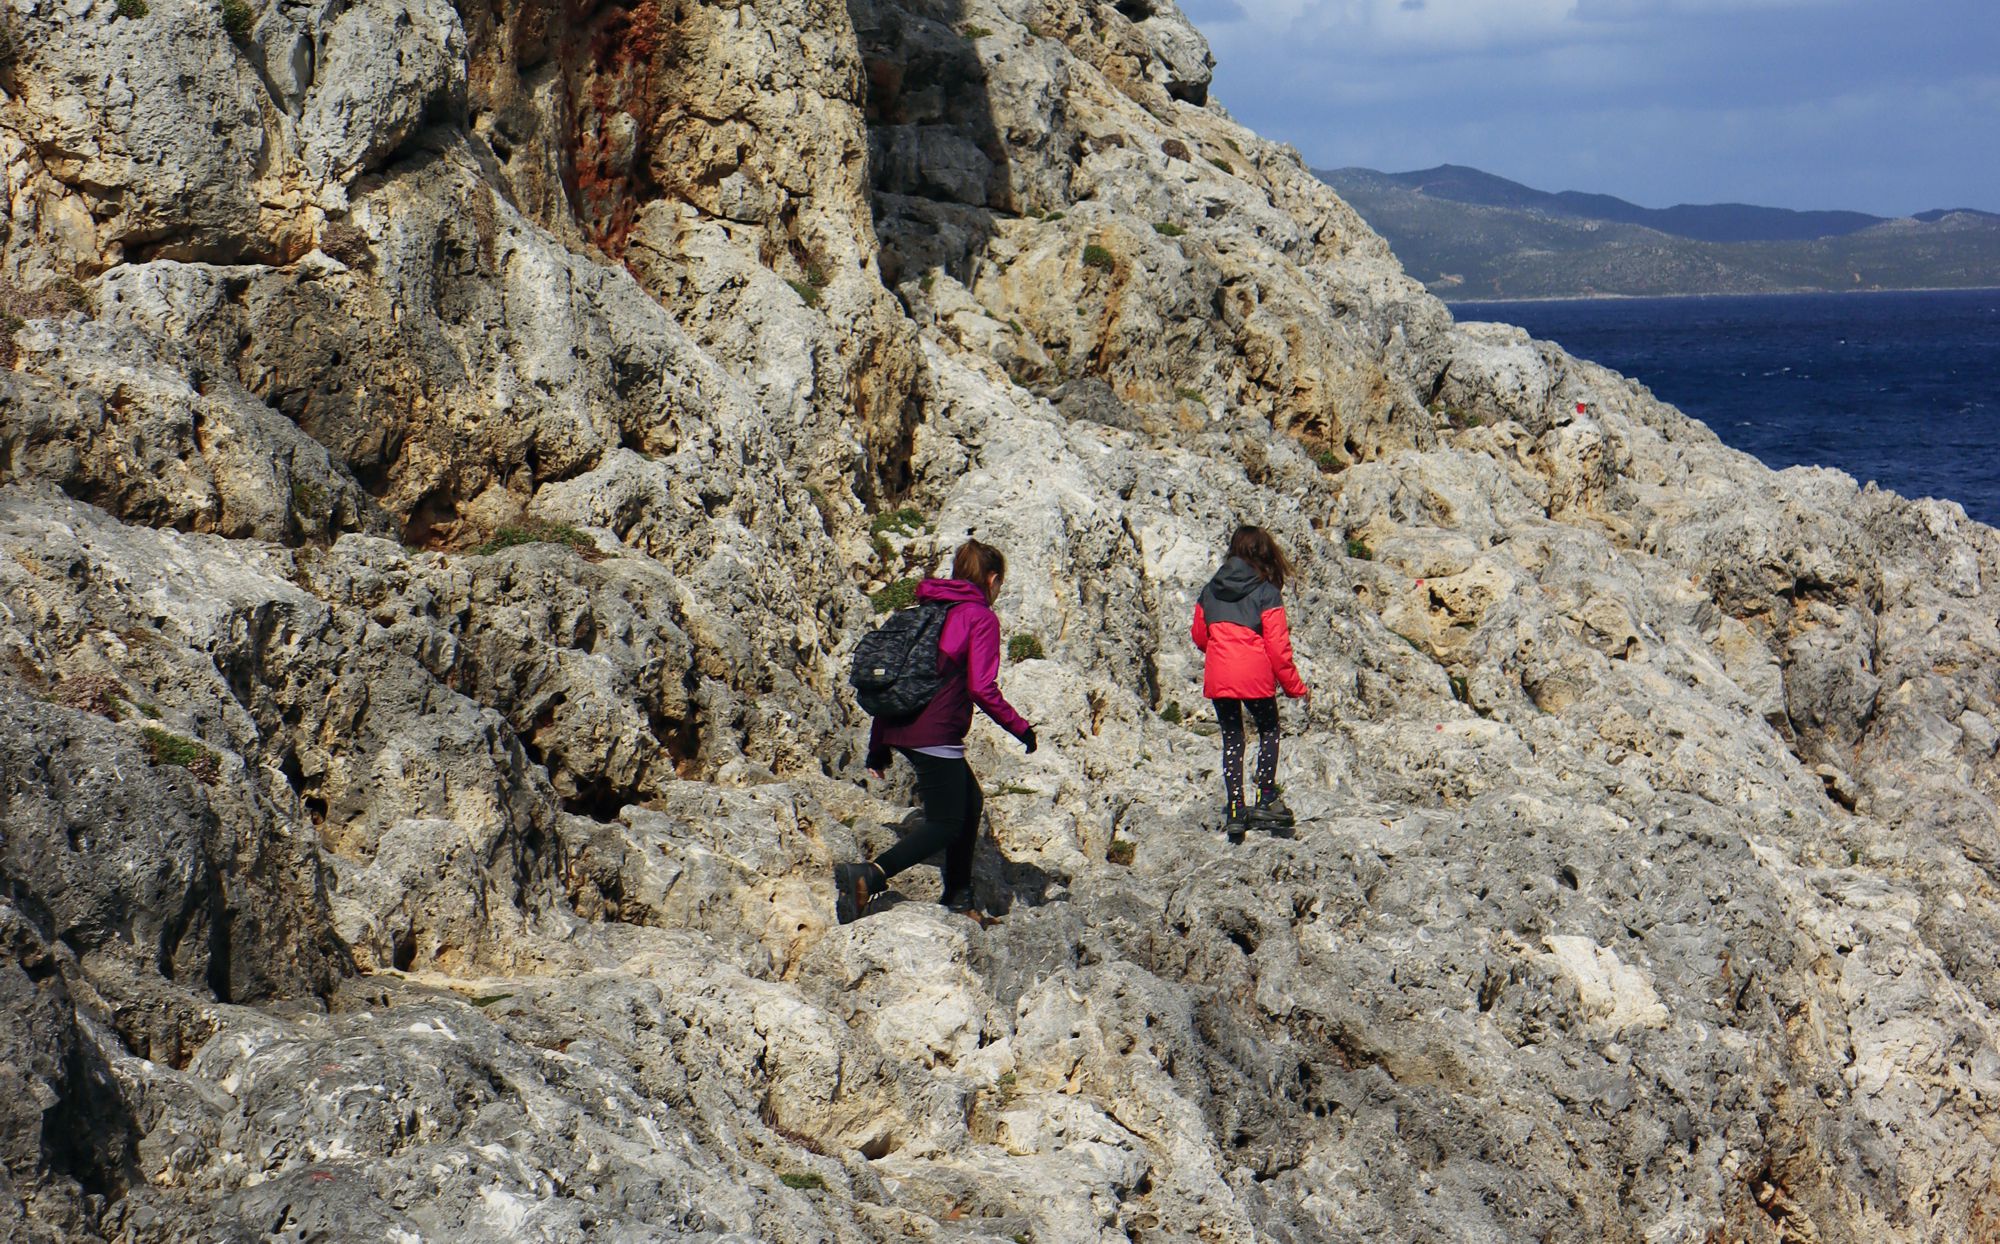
434, 526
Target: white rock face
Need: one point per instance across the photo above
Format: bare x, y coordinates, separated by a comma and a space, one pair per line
431, 534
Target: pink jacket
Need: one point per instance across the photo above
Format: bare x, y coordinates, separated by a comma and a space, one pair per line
969, 658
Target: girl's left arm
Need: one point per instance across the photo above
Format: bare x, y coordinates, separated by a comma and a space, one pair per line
1278, 646
982, 673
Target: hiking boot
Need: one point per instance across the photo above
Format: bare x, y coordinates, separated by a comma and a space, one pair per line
853, 886
1273, 816
959, 903
1234, 822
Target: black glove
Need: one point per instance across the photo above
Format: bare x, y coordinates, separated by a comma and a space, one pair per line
1027, 738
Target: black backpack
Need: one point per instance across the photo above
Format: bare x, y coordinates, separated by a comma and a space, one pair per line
895, 670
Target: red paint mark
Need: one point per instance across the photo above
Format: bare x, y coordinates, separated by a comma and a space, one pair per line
323, 1177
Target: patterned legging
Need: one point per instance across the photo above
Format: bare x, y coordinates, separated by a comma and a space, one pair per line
1264, 712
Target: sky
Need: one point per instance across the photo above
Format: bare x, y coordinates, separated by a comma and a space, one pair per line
1882, 106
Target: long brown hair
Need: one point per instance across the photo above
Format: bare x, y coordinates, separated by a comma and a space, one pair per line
976, 561
1256, 546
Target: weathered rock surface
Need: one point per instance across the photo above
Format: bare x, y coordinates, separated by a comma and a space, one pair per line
428, 550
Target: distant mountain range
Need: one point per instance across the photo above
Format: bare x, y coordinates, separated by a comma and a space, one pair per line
1468, 234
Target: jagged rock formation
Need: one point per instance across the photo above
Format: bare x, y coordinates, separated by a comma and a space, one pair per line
441, 473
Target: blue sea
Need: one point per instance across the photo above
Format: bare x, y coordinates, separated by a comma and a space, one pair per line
1899, 388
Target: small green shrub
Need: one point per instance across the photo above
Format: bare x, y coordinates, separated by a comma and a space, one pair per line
880, 543
975, 32
1459, 690
308, 499
165, 748
1052, 216
537, 532
807, 294
903, 521
134, 9
807, 1180
1167, 229
1034, 31
1172, 714
91, 694
1095, 256
1234, 145
1190, 395
1326, 459
1358, 549
898, 595
1024, 648
1120, 852
929, 281
237, 18
1222, 164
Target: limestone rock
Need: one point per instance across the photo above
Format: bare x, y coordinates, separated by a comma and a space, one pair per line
429, 552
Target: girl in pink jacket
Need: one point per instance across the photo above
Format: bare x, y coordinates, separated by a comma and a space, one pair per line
933, 741
1239, 623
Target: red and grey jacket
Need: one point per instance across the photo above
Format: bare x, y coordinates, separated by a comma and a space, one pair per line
1240, 623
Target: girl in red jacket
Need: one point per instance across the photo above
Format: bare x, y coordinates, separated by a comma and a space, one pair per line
1239, 622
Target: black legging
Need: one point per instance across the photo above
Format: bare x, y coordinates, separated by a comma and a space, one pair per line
952, 807
1229, 714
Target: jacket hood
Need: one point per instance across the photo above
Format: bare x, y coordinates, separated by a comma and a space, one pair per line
1235, 580
954, 591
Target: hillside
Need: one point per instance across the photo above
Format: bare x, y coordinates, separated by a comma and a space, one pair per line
449, 454
1470, 235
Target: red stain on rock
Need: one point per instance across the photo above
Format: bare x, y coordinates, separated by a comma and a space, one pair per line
615, 73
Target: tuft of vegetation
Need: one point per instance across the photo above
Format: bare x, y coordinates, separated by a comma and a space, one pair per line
1024, 648
92, 694
134, 9
1190, 395
1234, 145
1326, 460
902, 521
1456, 416
1095, 256
1222, 164
236, 18
898, 595
538, 532
1459, 690
308, 499
489, 999
1172, 714
1358, 549
1034, 31
974, 32
1052, 216
807, 294
165, 748
1120, 852
1011, 789
1167, 229
929, 282
807, 1180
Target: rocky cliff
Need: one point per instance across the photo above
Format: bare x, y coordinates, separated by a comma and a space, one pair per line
447, 453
